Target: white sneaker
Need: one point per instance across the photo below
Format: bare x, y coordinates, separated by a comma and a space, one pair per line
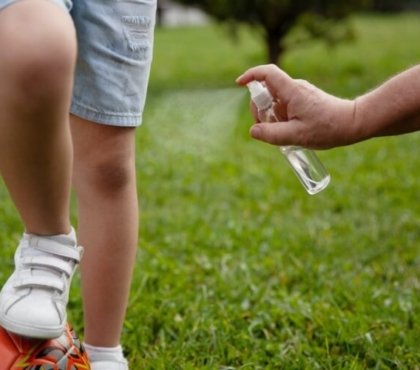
33, 301
109, 365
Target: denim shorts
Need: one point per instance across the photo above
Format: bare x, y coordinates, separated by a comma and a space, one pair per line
115, 47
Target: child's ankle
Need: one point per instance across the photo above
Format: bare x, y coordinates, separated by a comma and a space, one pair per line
96, 353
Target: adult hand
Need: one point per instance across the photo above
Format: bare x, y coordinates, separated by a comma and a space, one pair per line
308, 116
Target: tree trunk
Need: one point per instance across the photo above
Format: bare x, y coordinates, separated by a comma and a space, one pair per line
274, 46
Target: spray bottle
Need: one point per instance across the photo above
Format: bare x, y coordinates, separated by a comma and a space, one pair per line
304, 162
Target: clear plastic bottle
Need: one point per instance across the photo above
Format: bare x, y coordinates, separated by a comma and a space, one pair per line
304, 162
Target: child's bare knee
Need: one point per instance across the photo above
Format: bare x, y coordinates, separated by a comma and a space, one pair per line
107, 177
111, 178
45, 67
40, 57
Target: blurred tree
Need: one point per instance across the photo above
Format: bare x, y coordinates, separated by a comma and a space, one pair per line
395, 6
276, 18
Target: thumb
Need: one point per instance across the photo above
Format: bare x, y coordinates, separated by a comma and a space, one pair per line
277, 133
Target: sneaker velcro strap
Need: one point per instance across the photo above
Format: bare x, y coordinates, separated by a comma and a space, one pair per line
53, 263
58, 249
31, 281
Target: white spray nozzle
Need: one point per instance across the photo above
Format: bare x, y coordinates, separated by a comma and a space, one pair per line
260, 95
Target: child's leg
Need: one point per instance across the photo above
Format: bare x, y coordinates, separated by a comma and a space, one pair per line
105, 183
38, 52
115, 40
36, 71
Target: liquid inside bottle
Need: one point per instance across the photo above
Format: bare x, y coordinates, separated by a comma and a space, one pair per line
304, 162
307, 167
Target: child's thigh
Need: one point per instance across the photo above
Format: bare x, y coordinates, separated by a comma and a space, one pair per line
65, 4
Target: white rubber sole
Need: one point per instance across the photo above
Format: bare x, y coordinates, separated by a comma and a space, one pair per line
31, 331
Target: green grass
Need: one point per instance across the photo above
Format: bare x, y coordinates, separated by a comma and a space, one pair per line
238, 268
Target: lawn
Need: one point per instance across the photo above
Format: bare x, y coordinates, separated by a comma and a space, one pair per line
238, 268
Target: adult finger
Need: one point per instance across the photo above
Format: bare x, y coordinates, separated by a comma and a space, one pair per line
278, 82
277, 133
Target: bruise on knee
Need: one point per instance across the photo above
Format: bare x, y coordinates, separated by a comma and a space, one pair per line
110, 179
102, 180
